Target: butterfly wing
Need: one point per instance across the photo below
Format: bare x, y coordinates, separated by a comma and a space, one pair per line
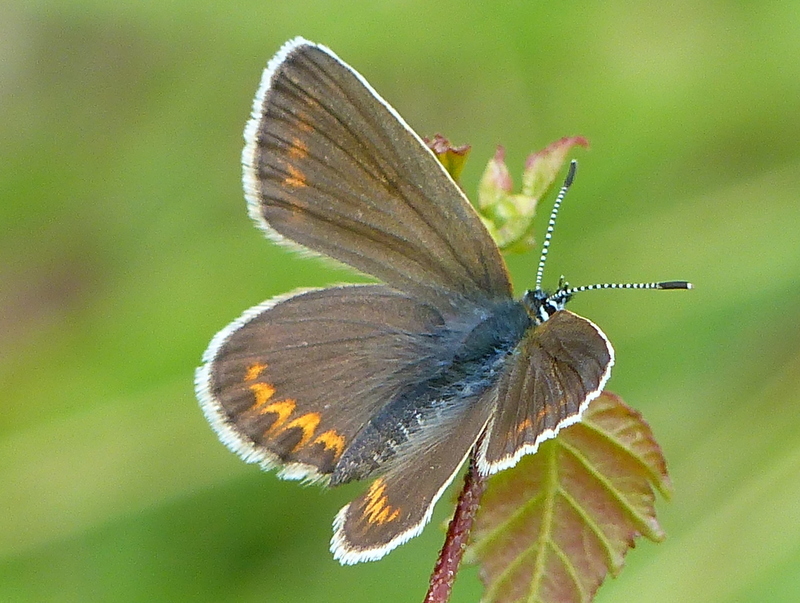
291, 382
397, 505
559, 367
329, 165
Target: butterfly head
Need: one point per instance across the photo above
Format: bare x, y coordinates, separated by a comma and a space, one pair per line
542, 304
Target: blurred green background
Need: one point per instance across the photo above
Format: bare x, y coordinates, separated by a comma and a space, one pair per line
124, 246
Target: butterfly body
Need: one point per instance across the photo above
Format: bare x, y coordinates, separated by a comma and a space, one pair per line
463, 362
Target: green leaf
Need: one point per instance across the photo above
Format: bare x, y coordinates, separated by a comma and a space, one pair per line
508, 215
552, 527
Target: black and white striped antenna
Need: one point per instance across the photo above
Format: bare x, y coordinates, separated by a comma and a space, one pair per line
551, 224
564, 292
568, 292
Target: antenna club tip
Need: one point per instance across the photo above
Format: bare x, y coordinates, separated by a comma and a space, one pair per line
573, 166
675, 285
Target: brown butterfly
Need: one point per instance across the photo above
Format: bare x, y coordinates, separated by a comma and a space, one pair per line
393, 382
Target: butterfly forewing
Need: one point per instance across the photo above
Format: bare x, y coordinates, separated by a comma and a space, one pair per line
330, 166
559, 367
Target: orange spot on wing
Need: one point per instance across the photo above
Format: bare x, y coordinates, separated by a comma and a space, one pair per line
263, 392
385, 515
283, 409
524, 425
308, 423
254, 371
378, 509
332, 441
298, 150
541, 414
302, 122
296, 178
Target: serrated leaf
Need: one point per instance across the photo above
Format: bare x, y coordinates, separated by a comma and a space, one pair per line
551, 528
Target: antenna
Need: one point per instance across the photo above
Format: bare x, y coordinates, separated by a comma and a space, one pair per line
564, 291
567, 292
551, 224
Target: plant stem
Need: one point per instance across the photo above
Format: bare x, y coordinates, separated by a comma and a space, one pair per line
455, 543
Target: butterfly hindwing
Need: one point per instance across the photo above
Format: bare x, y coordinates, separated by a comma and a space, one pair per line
397, 505
291, 382
559, 367
329, 165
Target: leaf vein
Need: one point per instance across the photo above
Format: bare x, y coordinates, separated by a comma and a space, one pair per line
619, 496
653, 476
571, 570
593, 525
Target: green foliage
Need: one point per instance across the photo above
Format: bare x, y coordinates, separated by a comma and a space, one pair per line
508, 215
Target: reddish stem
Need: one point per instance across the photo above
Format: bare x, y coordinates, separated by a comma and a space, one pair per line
455, 543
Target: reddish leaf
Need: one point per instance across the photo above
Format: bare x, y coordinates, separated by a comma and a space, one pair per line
542, 167
552, 527
451, 157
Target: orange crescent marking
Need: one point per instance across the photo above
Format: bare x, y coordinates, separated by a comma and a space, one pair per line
298, 150
385, 516
542, 413
302, 122
378, 509
254, 371
332, 441
283, 409
263, 392
308, 423
296, 178
524, 425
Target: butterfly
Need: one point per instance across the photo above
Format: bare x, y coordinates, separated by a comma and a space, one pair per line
395, 382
